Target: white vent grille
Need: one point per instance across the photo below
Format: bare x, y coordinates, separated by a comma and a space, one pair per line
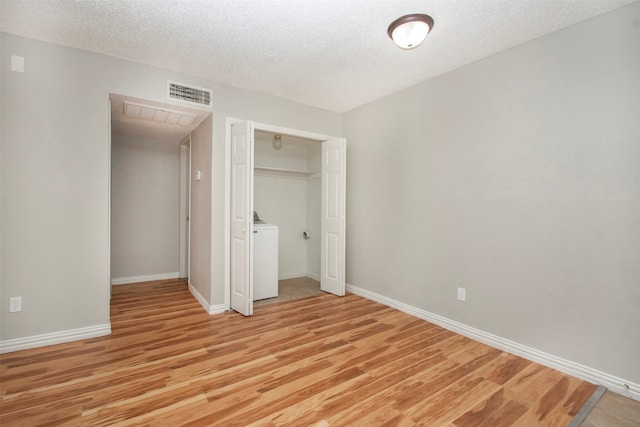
189, 94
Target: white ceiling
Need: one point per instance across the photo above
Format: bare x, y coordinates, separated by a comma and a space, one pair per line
332, 54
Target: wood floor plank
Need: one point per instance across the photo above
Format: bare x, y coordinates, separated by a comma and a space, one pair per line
318, 361
493, 411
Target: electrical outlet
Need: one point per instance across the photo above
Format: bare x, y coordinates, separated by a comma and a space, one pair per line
462, 294
15, 304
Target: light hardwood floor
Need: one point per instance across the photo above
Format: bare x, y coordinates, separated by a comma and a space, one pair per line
320, 360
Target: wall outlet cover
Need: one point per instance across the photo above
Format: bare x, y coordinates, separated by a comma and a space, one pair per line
15, 304
462, 294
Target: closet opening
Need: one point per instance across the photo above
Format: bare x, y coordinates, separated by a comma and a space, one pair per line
286, 229
286, 195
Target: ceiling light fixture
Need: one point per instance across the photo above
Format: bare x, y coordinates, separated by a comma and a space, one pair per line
277, 142
409, 31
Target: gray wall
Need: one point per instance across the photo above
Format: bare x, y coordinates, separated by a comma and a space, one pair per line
145, 203
200, 214
518, 178
55, 164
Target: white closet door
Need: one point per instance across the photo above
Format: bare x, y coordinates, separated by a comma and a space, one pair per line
241, 217
332, 221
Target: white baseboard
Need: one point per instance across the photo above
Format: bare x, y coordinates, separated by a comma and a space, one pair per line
286, 276
313, 276
217, 309
299, 275
203, 302
54, 338
144, 278
210, 309
616, 384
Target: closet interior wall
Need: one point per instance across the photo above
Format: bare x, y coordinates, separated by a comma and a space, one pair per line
287, 194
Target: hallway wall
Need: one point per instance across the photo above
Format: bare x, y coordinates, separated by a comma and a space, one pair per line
144, 207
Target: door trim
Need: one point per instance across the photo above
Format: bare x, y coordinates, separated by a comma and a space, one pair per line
227, 186
185, 205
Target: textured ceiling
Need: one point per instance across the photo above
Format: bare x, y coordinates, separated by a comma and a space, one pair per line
332, 54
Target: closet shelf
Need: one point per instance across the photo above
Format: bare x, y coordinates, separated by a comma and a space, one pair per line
282, 171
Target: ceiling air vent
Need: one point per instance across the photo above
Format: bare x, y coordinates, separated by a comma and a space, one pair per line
189, 94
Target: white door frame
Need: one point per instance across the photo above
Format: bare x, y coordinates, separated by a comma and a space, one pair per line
227, 199
185, 205
109, 206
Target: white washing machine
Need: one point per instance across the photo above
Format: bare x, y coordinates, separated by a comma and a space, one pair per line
265, 261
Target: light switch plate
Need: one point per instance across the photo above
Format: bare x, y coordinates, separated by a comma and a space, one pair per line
17, 63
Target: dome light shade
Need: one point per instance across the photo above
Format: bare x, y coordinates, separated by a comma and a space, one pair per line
277, 142
409, 31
